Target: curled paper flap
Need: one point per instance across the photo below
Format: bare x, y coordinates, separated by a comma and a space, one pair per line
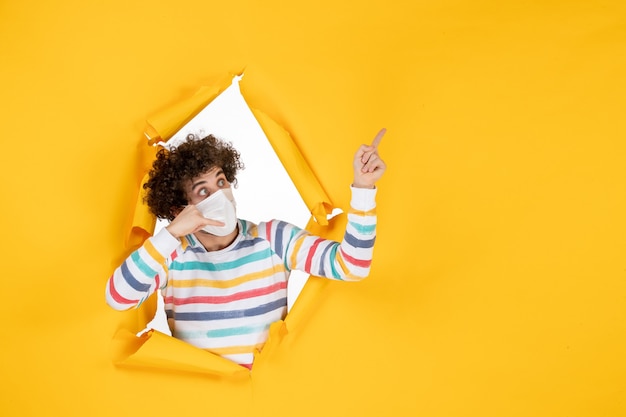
156, 350
296, 166
143, 221
167, 122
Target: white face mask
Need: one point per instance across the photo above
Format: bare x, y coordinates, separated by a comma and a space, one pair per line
219, 206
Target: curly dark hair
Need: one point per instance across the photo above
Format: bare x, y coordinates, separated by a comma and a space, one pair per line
170, 171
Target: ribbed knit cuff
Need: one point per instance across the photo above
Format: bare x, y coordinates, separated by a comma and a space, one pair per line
363, 199
165, 242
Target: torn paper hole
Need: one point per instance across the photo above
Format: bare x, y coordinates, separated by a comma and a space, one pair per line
264, 189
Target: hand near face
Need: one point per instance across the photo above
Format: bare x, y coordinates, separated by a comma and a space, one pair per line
368, 166
189, 220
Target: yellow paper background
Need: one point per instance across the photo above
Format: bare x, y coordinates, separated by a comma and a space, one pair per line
499, 280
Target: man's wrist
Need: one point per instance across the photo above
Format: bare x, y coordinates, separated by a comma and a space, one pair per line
172, 232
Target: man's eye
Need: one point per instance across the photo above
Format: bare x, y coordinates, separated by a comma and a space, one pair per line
221, 183
203, 192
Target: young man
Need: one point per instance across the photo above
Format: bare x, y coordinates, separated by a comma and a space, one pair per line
223, 279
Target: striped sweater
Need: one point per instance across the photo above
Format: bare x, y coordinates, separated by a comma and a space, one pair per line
225, 301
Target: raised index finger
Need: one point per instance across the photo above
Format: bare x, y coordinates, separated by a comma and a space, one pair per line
379, 137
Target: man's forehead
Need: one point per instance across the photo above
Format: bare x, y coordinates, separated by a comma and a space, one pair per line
211, 172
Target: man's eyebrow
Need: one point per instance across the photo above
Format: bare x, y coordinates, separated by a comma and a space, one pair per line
193, 186
217, 174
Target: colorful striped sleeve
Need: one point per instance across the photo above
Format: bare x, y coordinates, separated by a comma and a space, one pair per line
349, 260
142, 273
